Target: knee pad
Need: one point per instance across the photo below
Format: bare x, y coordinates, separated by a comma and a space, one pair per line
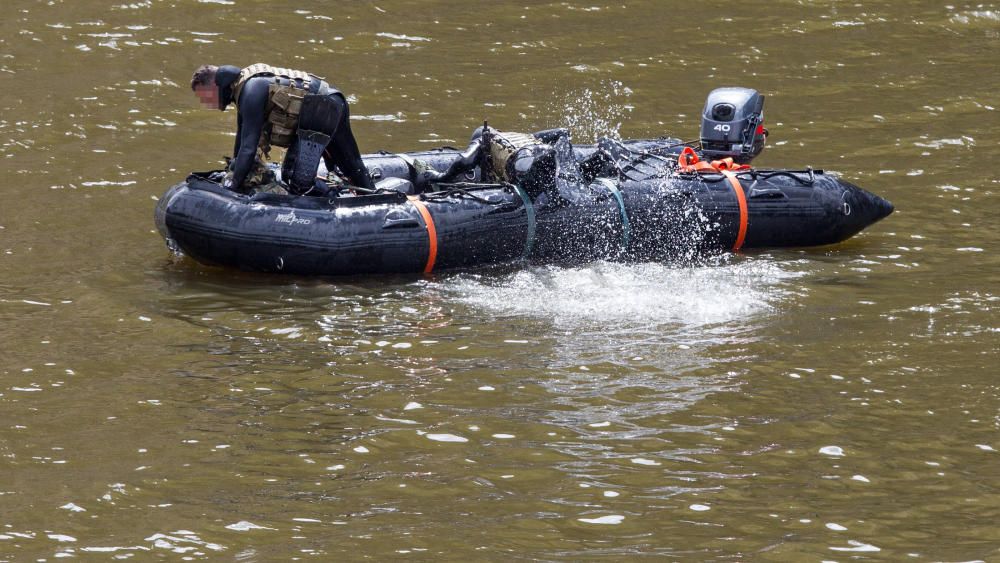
307, 154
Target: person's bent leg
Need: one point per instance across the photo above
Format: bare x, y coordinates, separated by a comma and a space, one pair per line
318, 120
343, 148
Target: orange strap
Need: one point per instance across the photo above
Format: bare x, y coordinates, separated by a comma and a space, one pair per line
741, 198
431, 232
689, 162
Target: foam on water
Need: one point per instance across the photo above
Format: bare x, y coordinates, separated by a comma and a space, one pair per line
182, 541
447, 438
833, 451
245, 526
644, 461
628, 294
854, 545
610, 519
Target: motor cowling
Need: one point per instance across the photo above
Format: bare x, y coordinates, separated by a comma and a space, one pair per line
732, 124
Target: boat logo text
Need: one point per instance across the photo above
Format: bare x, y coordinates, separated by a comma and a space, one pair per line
291, 219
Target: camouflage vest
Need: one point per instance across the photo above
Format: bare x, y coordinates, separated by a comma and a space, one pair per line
284, 102
503, 145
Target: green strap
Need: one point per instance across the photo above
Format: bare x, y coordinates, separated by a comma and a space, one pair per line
626, 229
529, 242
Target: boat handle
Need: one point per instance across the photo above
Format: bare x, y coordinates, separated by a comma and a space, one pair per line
400, 222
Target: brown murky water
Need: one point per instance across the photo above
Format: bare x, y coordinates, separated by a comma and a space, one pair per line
829, 404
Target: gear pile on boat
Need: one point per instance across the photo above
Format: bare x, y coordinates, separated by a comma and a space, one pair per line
534, 197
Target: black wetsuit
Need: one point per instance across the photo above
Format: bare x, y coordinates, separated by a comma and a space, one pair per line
533, 166
342, 150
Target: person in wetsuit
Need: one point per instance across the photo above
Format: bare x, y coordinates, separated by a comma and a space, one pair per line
286, 108
531, 161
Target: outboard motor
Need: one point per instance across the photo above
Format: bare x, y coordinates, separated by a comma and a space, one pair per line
732, 124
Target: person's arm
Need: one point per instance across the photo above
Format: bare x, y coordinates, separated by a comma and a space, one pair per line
239, 129
252, 105
468, 160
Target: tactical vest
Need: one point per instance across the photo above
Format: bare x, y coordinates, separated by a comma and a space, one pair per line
284, 101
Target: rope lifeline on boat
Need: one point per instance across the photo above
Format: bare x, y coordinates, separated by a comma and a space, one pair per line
529, 241
688, 161
626, 227
431, 232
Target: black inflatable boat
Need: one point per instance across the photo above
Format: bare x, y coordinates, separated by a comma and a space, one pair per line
649, 200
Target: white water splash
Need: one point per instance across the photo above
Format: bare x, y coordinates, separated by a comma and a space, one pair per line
593, 113
633, 295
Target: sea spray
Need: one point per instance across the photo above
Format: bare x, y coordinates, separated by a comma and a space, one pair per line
592, 113
637, 295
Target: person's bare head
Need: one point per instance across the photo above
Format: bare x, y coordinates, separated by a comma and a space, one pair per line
203, 85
